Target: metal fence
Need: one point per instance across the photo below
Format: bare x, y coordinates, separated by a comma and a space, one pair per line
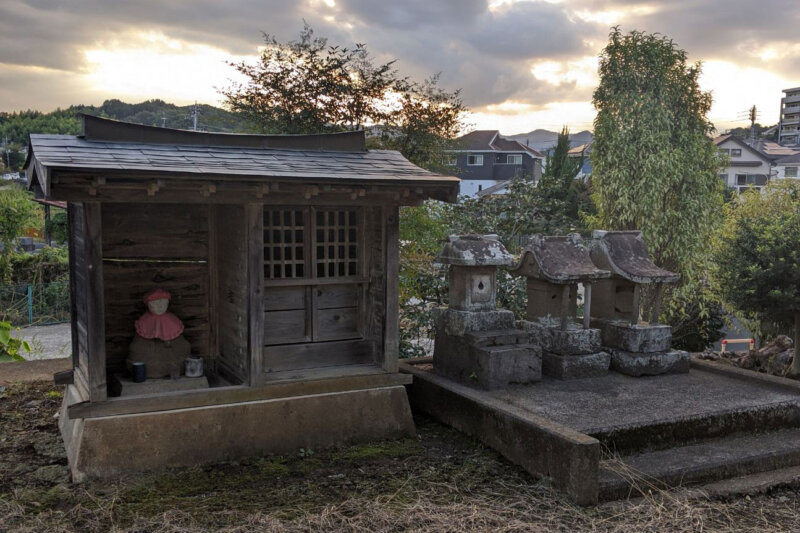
40, 303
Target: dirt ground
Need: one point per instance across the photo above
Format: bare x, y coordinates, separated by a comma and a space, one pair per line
439, 481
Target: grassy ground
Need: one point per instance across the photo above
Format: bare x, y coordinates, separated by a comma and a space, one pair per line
439, 481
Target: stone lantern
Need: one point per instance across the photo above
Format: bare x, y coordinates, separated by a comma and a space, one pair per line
477, 343
637, 347
473, 264
554, 267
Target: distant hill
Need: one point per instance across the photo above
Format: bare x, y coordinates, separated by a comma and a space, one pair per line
543, 140
16, 126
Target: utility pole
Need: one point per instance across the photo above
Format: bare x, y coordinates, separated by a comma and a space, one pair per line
753, 115
8, 153
195, 112
163, 119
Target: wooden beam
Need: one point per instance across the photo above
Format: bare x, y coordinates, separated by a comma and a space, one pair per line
95, 312
391, 333
255, 282
213, 283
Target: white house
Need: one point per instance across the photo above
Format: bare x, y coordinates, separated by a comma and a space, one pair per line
748, 166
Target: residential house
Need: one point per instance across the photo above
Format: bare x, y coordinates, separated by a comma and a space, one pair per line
582, 151
788, 167
748, 167
484, 159
789, 118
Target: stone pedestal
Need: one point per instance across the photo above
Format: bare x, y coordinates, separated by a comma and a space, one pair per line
641, 350
571, 353
163, 358
482, 348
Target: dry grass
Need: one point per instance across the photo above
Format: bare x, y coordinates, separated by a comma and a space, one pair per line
440, 481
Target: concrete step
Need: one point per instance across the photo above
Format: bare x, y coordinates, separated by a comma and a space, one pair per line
680, 431
497, 337
705, 462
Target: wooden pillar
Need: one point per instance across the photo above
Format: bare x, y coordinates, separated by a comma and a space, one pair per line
254, 216
47, 237
587, 304
95, 306
657, 303
391, 332
565, 306
635, 305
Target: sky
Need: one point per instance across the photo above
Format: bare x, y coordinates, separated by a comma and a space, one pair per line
521, 65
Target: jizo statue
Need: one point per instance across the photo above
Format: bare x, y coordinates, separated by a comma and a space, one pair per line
159, 341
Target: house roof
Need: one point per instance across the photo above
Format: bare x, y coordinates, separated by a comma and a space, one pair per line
112, 148
625, 254
490, 140
788, 160
580, 149
496, 188
773, 149
723, 138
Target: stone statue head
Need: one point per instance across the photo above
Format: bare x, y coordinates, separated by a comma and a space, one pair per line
157, 301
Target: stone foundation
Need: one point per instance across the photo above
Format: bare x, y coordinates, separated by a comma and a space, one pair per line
487, 364
650, 364
455, 322
623, 335
109, 446
575, 366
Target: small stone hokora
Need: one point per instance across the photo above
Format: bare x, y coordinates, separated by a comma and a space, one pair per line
159, 341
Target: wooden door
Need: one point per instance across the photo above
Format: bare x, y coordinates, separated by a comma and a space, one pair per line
314, 287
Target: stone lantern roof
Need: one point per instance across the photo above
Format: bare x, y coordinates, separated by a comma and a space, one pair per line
560, 260
625, 254
474, 250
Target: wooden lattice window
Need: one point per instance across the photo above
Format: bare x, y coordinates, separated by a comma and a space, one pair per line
285, 240
336, 243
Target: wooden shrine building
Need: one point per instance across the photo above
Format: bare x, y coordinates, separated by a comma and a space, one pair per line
281, 257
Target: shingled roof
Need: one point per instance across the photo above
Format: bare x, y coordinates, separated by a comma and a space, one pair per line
490, 140
110, 147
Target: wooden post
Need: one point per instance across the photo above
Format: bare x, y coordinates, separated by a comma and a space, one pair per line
255, 284
564, 306
657, 303
635, 306
213, 284
95, 307
587, 304
391, 330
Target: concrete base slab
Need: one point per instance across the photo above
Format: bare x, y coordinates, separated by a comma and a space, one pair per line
575, 366
650, 364
571, 341
623, 335
112, 445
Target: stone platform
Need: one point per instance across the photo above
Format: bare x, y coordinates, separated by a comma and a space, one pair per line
252, 424
627, 417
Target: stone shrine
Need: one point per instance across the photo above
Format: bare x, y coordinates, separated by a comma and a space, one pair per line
554, 266
637, 348
476, 343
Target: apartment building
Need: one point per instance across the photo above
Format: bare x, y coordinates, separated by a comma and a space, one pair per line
789, 118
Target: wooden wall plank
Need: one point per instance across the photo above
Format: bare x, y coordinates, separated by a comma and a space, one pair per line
164, 231
318, 355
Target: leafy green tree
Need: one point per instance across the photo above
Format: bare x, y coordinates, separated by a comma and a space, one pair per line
758, 257
17, 213
654, 166
310, 86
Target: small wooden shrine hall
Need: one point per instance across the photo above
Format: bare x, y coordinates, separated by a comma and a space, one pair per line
280, 256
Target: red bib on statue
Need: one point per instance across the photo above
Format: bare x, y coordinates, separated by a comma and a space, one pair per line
164, 327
